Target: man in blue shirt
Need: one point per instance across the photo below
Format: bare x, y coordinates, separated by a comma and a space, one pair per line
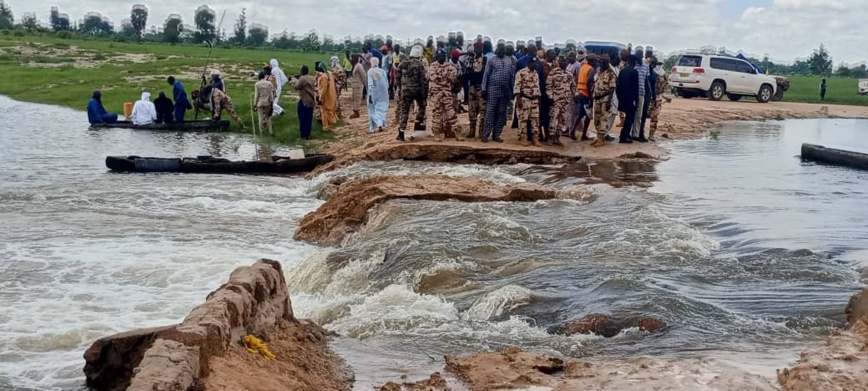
96, 113
642, 70
182, 104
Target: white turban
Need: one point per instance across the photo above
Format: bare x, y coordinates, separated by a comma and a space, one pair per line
416, 51
375, 62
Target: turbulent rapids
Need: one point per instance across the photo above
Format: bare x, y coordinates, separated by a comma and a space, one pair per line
733, 264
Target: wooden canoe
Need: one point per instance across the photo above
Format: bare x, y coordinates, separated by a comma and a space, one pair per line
202, 125
837, 157
212, 165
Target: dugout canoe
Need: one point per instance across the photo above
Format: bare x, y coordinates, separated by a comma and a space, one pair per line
837, 157
212, 165
202, 125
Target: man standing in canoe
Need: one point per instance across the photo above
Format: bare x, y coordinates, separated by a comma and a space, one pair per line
182, 104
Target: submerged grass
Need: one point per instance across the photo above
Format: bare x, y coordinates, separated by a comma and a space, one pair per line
57, 81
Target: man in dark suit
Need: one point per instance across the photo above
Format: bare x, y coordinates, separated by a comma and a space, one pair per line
628, 97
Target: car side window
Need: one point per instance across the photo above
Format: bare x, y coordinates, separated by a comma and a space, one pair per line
723, 64
744, 67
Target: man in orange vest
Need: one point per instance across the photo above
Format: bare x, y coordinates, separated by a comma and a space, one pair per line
586, 90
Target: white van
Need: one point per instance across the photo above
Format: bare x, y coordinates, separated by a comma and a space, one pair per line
719, 76
863, 86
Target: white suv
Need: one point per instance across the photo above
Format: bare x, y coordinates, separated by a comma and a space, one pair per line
716, 76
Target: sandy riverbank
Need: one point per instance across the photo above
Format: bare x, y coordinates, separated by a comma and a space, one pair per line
681, 119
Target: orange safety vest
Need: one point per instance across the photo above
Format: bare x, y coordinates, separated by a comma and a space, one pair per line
584, 74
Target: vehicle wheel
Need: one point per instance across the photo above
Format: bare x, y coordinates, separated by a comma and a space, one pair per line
716, 91
765, 94
734, 97
779, 94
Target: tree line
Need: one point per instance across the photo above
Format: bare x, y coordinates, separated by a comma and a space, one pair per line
205, 30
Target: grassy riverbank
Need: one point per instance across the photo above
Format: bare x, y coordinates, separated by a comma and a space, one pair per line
65, 72
839, 90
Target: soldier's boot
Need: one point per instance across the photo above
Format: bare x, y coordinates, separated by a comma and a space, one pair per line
458, 135
400, 135
521, 139
472, 133
419, 126
556, 139
600, 140
355, 114
651, 131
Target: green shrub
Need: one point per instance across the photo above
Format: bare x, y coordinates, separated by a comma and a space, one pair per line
5, 32
18, 33
99, 57
65, 34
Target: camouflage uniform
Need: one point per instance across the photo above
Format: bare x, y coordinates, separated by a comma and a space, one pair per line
476, 106
340, 81
219, 102
413, 86
605, 82
441, 77
527, 103
657, 105
561, 89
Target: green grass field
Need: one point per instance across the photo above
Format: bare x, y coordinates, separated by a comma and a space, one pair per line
65, 72
838, 90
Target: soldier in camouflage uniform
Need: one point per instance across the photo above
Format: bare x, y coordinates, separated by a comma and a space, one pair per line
340, 79
441, 77
413, 86
476, 104
527, 95
605, 83
562, 91
657, 105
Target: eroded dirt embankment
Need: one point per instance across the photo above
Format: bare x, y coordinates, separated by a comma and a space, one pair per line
205, 351
347, 209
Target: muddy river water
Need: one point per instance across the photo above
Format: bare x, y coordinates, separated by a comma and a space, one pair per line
733, 241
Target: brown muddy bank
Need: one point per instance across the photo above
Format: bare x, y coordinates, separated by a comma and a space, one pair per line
347, 208
205, 352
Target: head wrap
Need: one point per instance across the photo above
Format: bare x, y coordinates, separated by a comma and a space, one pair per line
510, 44
384, 48
441, 52
605, 58
501, 42
375, 62
416, 51
335, 61
455, 54
320, 66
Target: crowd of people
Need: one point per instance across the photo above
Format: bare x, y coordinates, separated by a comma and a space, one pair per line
546, 94
543, 93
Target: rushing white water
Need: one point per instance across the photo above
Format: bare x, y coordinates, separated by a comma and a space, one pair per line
85, 253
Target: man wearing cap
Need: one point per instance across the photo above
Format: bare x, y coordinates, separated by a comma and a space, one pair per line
628, 97
428, 52
520, 50
545, 68
604, 89
441, 77
476, 102
561, 89
522, 64
540, 50
497, 88
527, 107
413, 81
586, 89
661, 84
455, 55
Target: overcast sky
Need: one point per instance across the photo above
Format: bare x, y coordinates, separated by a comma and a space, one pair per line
783, 29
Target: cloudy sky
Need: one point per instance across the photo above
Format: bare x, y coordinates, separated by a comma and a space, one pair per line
783, 29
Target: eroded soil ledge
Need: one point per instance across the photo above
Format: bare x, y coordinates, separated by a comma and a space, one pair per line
347, 209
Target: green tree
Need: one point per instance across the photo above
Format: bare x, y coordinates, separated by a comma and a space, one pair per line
842, 71
206, 31
172, 28
670, 61
7, 19
29, 21
241, 28
139, 20
820, 63
310, 43
257, 35
95, 24
58, 21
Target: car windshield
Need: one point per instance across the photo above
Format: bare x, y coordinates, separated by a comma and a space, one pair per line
690, 61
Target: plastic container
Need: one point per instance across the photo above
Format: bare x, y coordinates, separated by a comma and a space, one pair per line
128, 109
